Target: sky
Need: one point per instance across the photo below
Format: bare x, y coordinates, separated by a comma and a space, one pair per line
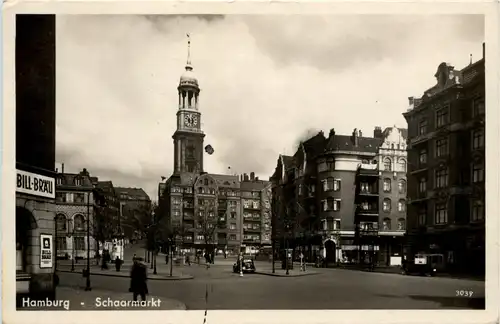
267, 82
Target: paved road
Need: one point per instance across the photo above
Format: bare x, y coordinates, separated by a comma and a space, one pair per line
330, 289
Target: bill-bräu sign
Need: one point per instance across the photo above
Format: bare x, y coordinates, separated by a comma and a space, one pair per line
35, 184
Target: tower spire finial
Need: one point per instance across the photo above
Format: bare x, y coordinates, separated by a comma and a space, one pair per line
188, 62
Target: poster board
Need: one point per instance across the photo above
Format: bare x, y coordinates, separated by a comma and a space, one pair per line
46, 251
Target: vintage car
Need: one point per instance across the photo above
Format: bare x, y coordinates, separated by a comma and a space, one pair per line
248, 265
424, 264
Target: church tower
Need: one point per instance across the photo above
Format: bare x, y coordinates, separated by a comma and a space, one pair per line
188, 137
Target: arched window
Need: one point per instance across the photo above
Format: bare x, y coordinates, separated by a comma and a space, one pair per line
387, 185
401, 224
78, 222
200, 190
61, 223
401, 205
387, 164
402, 165
387, 205
205, 182
386, 225
402, 186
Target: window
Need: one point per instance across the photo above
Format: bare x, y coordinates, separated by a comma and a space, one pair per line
59, 181
402, 186
212, 191
232, 226
188, 190
422, 157
336, 224
69, 198
200, 190
256, 204
233, 215
422, 185
387, 164
441, 147
267, 204
401, 205
441, 178
422, 127
477, 138
79, 243
200, 237
256, 194
78, 181
477, 172
322, 167
61, 243
402, 165
246, 203
205, 182
387, 185
61, 223
331, 204
478, 107
78, 221
386, 224
331, 184
401, 224
422, 217
441, 214
365, 187
232, 237
477, 210
387, 205
442, 117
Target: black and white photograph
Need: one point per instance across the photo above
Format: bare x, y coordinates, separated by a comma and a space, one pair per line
202, 162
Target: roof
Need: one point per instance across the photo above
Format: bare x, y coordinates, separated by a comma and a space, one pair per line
315, 145
345, 143
132, 192
226, 180
68, 179
404, 132
254, 185
288, 161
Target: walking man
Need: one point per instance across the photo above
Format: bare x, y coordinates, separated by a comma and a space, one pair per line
138, 278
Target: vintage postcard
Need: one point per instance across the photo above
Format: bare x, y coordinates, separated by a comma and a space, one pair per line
182, 162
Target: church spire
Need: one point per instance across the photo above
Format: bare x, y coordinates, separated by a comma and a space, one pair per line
189, 67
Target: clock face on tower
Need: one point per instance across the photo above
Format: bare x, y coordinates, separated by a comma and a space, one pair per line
190, 120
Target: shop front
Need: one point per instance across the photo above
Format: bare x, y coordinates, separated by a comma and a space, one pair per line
35, 227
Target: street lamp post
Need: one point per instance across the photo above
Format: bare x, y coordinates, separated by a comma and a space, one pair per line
154, 271
171, 252
87, 287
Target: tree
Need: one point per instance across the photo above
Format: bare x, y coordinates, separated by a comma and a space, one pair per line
209, 222
103, 218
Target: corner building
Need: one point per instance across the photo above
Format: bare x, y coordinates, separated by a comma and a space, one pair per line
446, 176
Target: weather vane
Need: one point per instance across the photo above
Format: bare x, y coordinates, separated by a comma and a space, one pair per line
189, 49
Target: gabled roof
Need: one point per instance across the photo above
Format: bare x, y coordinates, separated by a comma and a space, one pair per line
287, 161
315, 145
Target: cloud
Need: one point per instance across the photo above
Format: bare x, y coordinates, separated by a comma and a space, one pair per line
265, 81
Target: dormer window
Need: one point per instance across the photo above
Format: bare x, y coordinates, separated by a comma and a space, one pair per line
78, 181
59, 181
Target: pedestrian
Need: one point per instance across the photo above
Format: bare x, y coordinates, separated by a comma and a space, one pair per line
138, 278
188, 261
166, 258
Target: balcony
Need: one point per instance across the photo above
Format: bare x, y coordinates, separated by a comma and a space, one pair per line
370, 210
370, 192
252, 229
188, 216
188, 206
251, 240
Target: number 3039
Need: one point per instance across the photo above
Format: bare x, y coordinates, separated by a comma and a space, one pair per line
464, 293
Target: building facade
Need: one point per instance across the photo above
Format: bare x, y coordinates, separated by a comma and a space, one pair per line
315, 197
392, 166
134, 212
205, 210
75, 206
35, 156
446, 179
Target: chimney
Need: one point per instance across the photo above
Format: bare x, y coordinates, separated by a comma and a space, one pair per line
332, 133
256, 178
57, 170
484, 50
245, 177
62, 167
252, 176
377, 132
355, 137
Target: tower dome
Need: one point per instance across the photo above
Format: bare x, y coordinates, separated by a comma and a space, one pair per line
188, 78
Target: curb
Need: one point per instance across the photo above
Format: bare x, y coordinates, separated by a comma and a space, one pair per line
286, 276
186, 277
438, 275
